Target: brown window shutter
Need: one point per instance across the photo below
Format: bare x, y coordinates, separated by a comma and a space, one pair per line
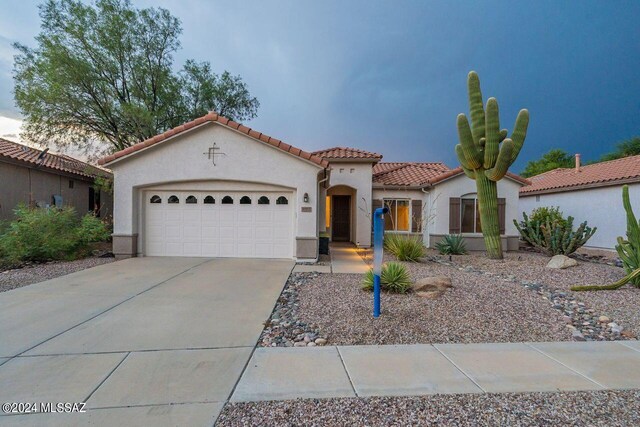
416, 215
454, 215
502, 204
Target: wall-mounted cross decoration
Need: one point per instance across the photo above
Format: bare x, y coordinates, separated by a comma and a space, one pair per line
213, 152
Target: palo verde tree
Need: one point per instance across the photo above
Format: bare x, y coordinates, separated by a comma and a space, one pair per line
105, 72
485, 154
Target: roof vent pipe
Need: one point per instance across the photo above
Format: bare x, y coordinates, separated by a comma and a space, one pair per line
577, 162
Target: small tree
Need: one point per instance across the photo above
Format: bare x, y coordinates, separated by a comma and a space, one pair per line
105, 72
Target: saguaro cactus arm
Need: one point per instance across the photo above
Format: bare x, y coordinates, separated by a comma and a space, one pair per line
492, 133
503, 162
475, 106
472, 154
519, 133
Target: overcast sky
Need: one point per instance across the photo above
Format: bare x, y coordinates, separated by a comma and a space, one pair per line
390, 76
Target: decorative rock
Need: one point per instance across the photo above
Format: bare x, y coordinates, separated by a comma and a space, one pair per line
561, 261
577, 335
604, 319
311, 344
321, 341
300, 344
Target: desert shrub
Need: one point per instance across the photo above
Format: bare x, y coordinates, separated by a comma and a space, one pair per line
405, 248
394, 277
93, 229
549, 232
48, 234
452, 244
544, 214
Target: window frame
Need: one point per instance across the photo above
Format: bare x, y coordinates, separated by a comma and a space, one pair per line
395, 200
476, 215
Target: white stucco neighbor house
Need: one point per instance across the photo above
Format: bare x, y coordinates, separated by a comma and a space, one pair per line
591, 193
216, 188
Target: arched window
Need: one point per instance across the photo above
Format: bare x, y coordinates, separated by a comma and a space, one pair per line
155, 199
209, 200
282, 201
245, 200
191, 200
173, 199
227, 200
263, 200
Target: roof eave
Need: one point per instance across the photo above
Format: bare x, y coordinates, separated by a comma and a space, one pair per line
565, 189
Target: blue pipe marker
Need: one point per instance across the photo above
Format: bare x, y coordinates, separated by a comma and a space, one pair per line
378, 240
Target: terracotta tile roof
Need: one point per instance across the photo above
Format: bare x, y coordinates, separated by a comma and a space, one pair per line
459, 171
408, 174
347, 153
386, 166
61, 162
613, 172
216, 118
419, 174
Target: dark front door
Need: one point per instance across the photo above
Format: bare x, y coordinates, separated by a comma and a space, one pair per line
341, 225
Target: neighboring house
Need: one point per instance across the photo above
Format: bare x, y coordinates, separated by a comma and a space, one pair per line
590, 193
42, 179
213, 187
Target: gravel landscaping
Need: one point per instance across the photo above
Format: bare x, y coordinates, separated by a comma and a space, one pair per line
514, 300
598, 408
11, 279
619, 306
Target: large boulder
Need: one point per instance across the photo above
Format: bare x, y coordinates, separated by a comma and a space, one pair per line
431, 287
562, 261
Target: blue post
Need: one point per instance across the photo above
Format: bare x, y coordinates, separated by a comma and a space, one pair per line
378, 240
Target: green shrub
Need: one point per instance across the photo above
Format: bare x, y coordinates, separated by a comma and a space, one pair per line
452, 244
92, 229
544, 214
549, 232
405, 248
394, 277
48, 234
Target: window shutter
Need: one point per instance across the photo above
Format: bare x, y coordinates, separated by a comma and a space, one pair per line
454, 215
416, 215
502, 203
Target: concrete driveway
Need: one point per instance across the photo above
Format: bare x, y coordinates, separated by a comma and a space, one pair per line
144, 341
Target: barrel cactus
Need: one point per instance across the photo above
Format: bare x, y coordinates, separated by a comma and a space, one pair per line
485, 154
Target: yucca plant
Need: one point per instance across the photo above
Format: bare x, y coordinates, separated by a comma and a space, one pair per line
405, 248
393, 278
452, 244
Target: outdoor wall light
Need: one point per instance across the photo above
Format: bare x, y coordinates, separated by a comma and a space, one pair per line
306, 197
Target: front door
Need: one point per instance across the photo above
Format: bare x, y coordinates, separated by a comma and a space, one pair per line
341, 225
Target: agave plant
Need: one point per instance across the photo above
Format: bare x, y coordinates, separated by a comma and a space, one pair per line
393, 278
405, 248
452, 244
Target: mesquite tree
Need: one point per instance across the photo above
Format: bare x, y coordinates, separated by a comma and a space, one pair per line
485, 154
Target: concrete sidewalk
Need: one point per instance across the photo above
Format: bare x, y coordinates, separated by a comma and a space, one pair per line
401, 370
344, 259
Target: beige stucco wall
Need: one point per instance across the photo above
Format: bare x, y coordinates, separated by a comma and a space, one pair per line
357, 176
180, 161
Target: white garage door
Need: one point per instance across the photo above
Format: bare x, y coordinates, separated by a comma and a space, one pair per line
219, 224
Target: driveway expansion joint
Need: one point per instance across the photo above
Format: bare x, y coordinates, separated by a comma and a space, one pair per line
347, 371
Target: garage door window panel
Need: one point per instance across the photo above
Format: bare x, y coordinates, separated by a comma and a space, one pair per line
155, 199
173, 200
191, 200
227, 200
282, 201
245, 200
209, 200
264, 200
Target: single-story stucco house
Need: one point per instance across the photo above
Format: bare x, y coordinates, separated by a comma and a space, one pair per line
40, 178
591, 193
213, 187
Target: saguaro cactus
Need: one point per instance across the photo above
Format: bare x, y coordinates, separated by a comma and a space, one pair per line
485, 154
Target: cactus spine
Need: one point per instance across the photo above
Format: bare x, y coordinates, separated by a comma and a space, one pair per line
485, 154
